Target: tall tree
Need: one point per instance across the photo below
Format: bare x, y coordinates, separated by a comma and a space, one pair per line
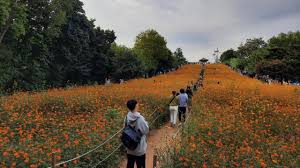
81, 52
102, 62
180, 59
151, 47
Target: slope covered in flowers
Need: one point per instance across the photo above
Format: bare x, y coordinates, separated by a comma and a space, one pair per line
71, 121
240, 122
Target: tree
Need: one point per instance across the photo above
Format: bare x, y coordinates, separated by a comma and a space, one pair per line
286, 47
6, 70
81, 52
51, 43
179, 57
103, 55
12, 16
255, 57
227, 56
245, 51
274, 69
235, 63
152, 49
279, 58
58, 44
126, 63
167, 63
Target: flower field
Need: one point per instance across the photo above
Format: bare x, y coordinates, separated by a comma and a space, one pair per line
239, 122
72, 121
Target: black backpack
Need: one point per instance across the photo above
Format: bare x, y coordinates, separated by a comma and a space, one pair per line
130, 137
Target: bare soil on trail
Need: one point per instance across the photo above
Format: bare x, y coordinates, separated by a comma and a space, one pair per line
158, 138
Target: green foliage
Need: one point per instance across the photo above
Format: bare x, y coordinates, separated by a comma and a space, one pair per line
112, 114
274, 68
234, 63
4, 11
227, 56
279, 58
179, 57
12, 17
286, 47
6, 70
150, 46
59, 45
51, 43
245, 50
152, 49
255, 57
81, 53
60, 9
126, 63
19, 20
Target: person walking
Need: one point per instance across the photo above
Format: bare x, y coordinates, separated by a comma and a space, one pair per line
138, 122
173, 107
183, 102
189, 92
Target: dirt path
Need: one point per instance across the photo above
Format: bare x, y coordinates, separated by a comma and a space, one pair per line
157, 138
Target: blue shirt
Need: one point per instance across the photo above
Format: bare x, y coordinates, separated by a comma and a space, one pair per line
183, 100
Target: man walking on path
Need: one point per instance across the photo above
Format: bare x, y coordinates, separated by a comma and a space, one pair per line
173, 108
183, 103
138, 122
189, 92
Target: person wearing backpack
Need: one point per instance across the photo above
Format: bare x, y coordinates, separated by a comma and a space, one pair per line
134, 136
173, 107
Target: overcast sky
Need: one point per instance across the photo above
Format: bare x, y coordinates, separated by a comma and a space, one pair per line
197, 26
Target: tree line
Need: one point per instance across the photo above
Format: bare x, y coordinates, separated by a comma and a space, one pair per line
52, 43
278, 58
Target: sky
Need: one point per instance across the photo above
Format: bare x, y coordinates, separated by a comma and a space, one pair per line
197, 26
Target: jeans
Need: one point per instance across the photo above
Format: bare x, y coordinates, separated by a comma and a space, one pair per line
182, 111
173, 114
139, 160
